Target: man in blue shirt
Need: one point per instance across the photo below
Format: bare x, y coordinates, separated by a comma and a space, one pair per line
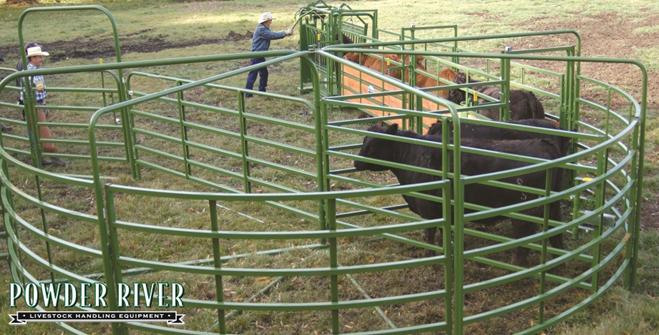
261, 42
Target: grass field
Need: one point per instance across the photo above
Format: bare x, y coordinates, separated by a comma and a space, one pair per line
160, 29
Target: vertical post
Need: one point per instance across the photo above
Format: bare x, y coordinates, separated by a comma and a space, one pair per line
337, 66
105, 100
564, 123
471, 99
183, 131
247, 185
404, 73
331, 85
331, 29
563, 117
44, 224
632, 240
128, 126
334, 284
458, 259
304, 45
415, 101
418, 100
576, 203
447, 234
111, 263
600, 196
576, 90
3, 211
639, 140
105, 213
543, 253
375, 33
458, 227
455, 59
217, 261
504, 98
572, 117
382, 70
104, 95
569, 90
322, 141
419, 122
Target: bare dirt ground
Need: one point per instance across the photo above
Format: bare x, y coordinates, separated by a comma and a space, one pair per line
90, 48
611, 35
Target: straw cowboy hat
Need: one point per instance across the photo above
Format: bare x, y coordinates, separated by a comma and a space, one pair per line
36, 51
267, 16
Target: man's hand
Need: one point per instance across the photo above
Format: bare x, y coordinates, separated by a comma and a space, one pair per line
289, 31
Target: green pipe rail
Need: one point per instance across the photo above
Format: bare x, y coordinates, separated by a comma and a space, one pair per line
326, 222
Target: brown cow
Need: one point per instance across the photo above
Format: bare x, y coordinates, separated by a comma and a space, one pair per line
384, 65
380, 64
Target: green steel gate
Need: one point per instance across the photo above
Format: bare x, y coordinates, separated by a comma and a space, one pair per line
322, 25
325, 221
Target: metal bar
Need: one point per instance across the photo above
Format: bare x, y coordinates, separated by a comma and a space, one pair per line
183, 132
217, 262
111, 253
504, 109
333, 251
243, 143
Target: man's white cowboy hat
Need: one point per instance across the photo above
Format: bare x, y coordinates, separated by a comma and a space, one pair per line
267, 16
36, 51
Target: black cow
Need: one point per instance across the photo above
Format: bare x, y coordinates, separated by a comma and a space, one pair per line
496, 133
522, 104
472, 164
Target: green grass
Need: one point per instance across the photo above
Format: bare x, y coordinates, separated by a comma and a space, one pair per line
649, 56
619, 312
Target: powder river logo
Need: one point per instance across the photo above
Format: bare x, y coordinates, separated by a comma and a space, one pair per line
88, 296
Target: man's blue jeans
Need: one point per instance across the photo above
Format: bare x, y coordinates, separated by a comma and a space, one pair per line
262, 73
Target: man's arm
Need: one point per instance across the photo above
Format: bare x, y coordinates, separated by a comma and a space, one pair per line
272, 35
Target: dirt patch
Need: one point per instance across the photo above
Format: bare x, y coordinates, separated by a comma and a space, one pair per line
606, 34
95, 48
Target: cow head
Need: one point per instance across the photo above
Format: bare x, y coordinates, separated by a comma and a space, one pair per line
419, 61
456, 95
435, 129
352, 56
377, 148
